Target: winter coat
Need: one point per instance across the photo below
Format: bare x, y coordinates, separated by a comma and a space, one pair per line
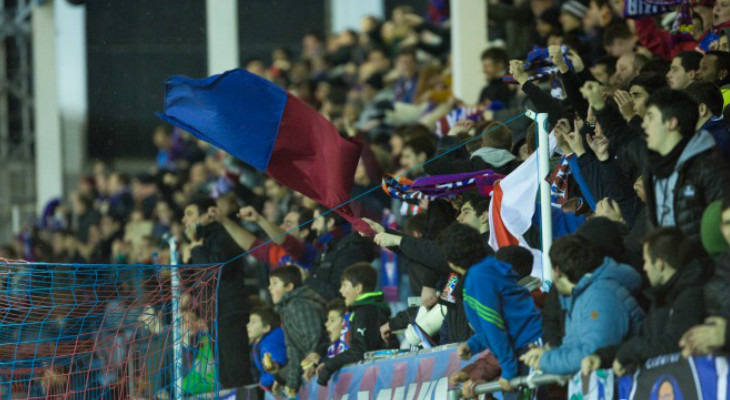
502, 313
717, 293
601, 311
676, 306
700, 177
302, 314
627, 144
218, 247
334, 259
720, 131
367, 314
274, 344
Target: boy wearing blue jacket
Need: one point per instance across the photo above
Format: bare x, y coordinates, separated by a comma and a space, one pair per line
501, 312
268, 346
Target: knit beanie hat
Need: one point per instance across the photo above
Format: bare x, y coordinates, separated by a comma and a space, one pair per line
712, 239
575, 8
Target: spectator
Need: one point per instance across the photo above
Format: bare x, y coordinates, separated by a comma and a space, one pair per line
599, 300
268, 348
407, 67
709, 98
302, 316
713, 336
493, 152
415, 153
494, 66
603, 69
677, 304
337, 326
685, 173
627, 67
619, 40
210, 244
715, 68
338, 249
684, 69
367, 312
502, 313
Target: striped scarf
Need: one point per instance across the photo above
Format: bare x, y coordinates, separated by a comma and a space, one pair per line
440, 186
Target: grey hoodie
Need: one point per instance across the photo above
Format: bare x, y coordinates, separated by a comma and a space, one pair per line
492, 156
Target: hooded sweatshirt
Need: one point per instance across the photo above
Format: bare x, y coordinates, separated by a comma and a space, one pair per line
601, 311
501, 312
366, 315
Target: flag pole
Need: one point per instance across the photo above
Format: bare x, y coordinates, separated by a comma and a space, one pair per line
546, 222
176, 321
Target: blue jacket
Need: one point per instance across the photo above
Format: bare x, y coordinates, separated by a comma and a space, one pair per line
501, 312
601, 311
720, 131
273, 343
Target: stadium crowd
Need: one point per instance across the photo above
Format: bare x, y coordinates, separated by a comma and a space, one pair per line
640, 188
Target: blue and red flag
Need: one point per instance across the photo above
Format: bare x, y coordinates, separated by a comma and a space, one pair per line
270, 129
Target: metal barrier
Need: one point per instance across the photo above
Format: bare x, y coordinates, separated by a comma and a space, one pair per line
530, 381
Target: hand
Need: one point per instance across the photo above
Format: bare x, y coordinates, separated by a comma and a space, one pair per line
458, 377
462, 126
376, 227
428, 297
556, 55
517, 70
249, 214
599, 144
591, 91
704, 339
385, 331
590, 364
625, 104
387, 240
575, 140
609, 209
464, 351
504, 385
190, 232
309, 373
618, 369
577, 62
467, 389
290, 392
277, 388
532, 357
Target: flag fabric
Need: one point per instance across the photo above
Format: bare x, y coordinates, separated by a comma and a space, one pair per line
440, 186
270, 129
513, 202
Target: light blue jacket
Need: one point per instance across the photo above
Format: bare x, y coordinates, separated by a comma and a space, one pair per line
602, 311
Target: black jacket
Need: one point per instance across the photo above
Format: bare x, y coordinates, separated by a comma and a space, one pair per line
676, 306
332, 261
367, 314
455, 328
702, 176
218, 247
627, 142
717, 293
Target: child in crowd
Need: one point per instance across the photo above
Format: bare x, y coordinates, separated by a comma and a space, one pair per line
268, 348
302, 315
337, 327
367, 312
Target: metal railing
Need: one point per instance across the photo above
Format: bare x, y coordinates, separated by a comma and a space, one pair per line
530, 381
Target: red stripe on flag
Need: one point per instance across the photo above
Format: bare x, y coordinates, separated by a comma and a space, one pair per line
504, 237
